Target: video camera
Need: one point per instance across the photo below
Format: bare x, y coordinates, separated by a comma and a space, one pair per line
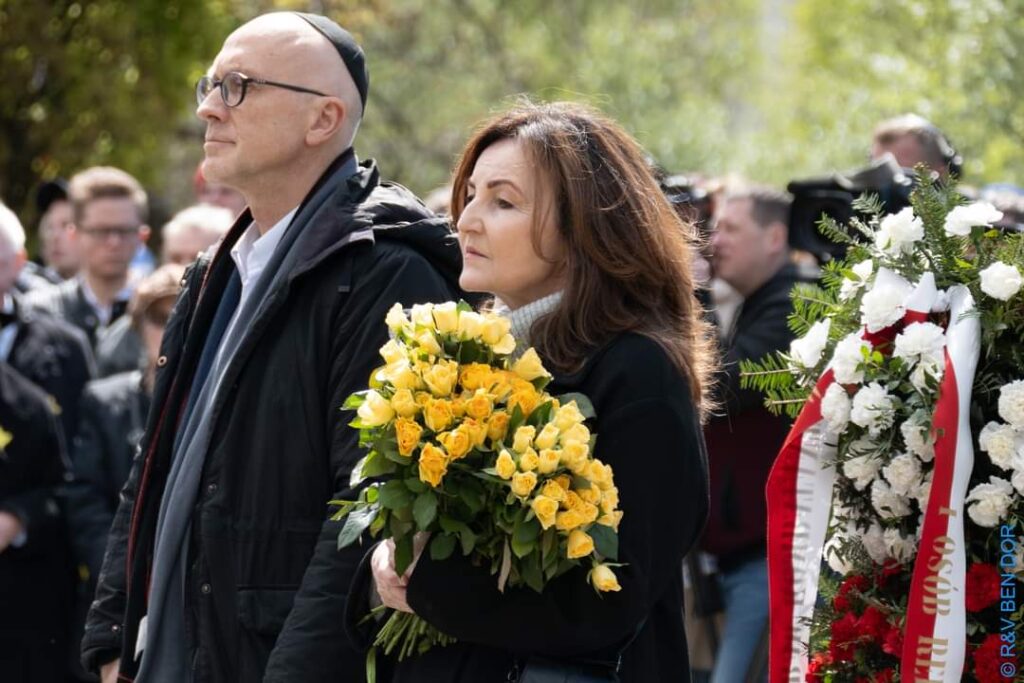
693, 203
833, 196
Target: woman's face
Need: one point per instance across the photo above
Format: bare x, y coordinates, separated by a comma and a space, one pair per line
495, 229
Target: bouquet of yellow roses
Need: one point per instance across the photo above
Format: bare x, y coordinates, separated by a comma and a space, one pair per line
465, 445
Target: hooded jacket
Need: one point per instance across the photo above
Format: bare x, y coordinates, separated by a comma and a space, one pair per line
265, 584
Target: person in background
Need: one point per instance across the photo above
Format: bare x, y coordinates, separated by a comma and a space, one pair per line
750, 252
192, 231
914, 140
58, 247
35, 581
217, 194
45, 350
109, 212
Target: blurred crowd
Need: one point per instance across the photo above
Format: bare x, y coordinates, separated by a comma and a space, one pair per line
81, 323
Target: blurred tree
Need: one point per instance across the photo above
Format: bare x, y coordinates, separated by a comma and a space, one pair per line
96, 82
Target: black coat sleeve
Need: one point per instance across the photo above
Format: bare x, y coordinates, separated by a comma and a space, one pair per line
90, 514
312, 645
654, 446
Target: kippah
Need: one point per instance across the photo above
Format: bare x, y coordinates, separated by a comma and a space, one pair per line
347, 48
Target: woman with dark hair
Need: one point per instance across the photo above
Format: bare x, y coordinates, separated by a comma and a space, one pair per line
560, 219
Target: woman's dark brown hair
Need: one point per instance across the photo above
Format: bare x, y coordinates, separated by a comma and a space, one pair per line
627, 261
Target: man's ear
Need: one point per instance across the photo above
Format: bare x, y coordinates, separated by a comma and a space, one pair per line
144, 233
328, 120
778, 236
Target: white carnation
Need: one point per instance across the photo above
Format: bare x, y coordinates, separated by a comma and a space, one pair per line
884, 305
960, 220
925, 370
849, 287
920, 342
903, 474
923, 491
887, 503
848, 357
990, 502
942, 301
1001, 281
899, 231
835, 408
807, 350
873, 408
899, 547
1011, 403
862, 470
1018, 479
918, 438
874, 543
1000, 442
840, 537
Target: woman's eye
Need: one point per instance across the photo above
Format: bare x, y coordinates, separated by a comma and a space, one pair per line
504, 203
469, 198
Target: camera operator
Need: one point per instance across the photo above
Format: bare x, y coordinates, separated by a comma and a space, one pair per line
913, 140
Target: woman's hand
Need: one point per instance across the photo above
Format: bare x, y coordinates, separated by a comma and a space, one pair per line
390, 586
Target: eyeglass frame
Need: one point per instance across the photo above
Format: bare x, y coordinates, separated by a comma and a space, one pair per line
246, 80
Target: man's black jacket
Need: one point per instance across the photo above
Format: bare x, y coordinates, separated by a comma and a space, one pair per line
265, 584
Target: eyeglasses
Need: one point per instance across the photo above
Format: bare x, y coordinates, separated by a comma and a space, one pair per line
234, 86
104, 234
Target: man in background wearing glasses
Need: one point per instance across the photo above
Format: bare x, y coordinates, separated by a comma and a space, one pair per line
109, 211
222, 562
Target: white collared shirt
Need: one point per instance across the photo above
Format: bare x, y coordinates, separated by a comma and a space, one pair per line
103, 313
7, 332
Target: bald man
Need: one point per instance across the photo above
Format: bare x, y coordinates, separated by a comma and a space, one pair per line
222, 564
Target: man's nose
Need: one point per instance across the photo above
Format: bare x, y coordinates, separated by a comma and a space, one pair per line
212, 107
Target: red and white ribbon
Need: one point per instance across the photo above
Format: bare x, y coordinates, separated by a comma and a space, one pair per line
935, 638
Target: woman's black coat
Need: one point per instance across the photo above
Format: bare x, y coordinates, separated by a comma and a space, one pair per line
648, 431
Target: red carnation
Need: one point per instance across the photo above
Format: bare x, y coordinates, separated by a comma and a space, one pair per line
987, 660
856, 582
884, 676
982, 586
815, 669
845, 633
889, 570
893, 644
872, 623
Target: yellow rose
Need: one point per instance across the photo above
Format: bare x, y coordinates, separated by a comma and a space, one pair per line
548, 437
611, 519
528, 461
493, 328
609, 499
479, 406
441, 377
376, 410
523, 438
428, 343
422, 398
433, 465
456, 442
401, 376
567, 416
568, 519
392, 352
523, 483
549, 461
591, 494
470, 324
577, 432
505, 345
526, 399
563, 480
404, 404
580, 544
505, 465
500, 384
573, 501
395, 319
545, 509
529, 366
437, 414
423, 315
552, 490
474, 376
477, 431
407, 432
599, 473
603, 579
458, 406
446, 317
574, 456
497, 425
589, 512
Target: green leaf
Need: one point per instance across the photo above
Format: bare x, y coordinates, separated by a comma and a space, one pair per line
416, 486
355, 524
515, 420
394, 495
530, 570
582, 403
403, 553
463, 306
472, 495
606, 541
375, 465
541, 414
442, 546
467, 539
524, 535
354, 401
378, 523
424, 510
